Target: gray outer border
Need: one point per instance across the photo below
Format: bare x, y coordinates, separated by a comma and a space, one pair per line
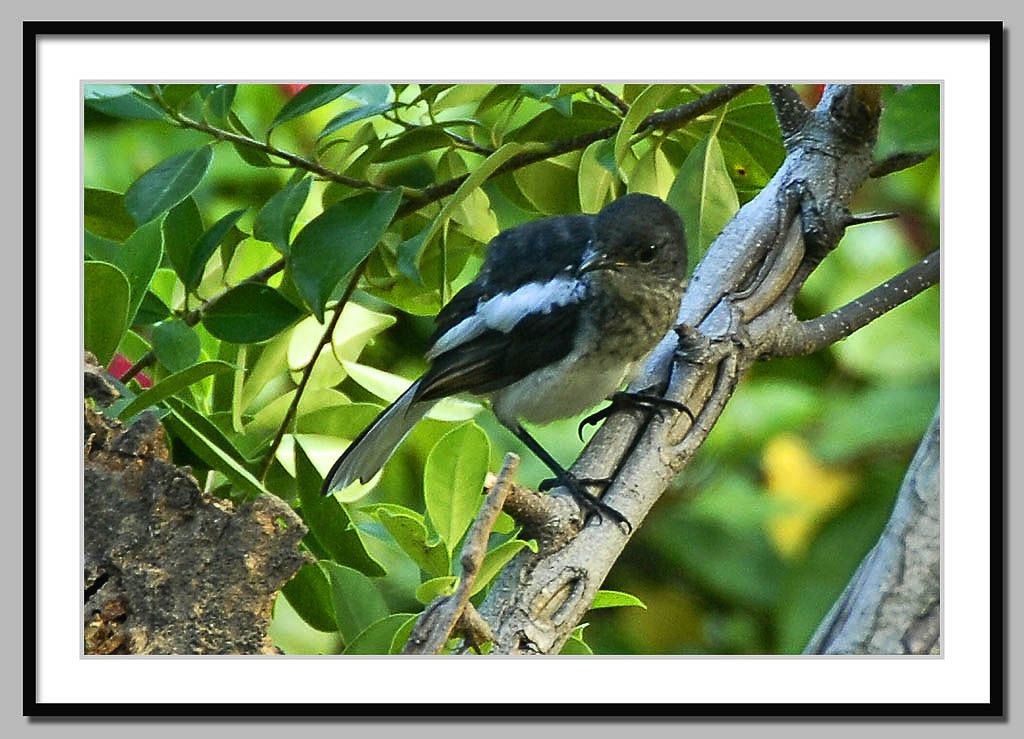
12, 301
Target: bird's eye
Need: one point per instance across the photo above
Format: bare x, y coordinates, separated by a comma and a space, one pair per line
647, 253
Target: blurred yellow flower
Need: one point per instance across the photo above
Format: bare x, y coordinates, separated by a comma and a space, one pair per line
809, 491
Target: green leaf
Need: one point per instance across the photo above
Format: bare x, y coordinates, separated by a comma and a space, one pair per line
218, 103
595, 182
105, 214
704, 195
357, 601
309, 593
203, 425
248, 313
414, 141
453, 481
550, 186
377, 637
171, 385
328, 520
388, 386
410, 253
139, 257
176, 345
614, 599
336, 241
402, 635
652, 174
275, 220
122, 101
249, 154
494, 560
106, 294
168, 183
100, 249
575, 646
211, 454
151, 310
551, 125
375, 99
435, 587
645, 104
182, 227
910, 121
409, 531
206, 245
308, 99
176, 95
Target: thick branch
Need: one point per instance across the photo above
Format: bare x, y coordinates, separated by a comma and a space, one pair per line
807, 337
891, 605
739, 300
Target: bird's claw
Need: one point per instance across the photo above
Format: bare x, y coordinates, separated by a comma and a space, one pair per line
643, 400
588, 503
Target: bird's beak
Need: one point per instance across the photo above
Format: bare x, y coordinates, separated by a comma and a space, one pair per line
597, 260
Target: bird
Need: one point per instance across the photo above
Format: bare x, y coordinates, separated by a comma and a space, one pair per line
562, 314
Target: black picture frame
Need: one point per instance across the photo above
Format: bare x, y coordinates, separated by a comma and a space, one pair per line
34, 455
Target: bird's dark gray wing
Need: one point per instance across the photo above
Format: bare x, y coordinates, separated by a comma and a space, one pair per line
495, 359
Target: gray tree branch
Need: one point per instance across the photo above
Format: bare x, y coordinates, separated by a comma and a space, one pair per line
891, 605
739, 302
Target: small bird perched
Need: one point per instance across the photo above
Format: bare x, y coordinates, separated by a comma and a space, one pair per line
563, 313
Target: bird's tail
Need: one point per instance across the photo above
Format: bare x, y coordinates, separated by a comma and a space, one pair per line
378, 441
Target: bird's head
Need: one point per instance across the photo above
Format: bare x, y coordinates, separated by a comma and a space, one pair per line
638, 237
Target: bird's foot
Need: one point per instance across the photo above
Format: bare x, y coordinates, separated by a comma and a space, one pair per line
644, 400
589, 503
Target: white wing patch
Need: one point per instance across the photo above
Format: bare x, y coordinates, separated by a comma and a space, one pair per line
504, 311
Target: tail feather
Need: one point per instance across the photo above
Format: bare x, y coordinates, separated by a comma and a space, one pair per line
378, 441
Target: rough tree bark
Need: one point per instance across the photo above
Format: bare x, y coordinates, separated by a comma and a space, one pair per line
738, 309
891, 605
169, 570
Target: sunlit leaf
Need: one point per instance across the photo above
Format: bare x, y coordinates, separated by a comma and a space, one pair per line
453, 481
106, 296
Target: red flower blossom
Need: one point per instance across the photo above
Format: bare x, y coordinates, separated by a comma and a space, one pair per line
292, 90
120, 364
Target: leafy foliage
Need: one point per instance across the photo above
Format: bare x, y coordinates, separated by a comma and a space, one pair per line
218, 258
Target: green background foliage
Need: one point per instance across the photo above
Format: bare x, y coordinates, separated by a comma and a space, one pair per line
224, 223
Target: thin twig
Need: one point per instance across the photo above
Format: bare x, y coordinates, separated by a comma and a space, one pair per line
806, 337
307, 371
667, 120
194, 316
612, 98
898, 162
435, 625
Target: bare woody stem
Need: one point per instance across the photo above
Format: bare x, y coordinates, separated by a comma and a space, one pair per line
806, 337
307, 371
447, 613
193, 317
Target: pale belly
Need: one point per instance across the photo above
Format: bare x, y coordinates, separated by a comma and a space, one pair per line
566, 388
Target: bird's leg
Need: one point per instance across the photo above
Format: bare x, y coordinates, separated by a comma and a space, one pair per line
577, 487
644, 399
